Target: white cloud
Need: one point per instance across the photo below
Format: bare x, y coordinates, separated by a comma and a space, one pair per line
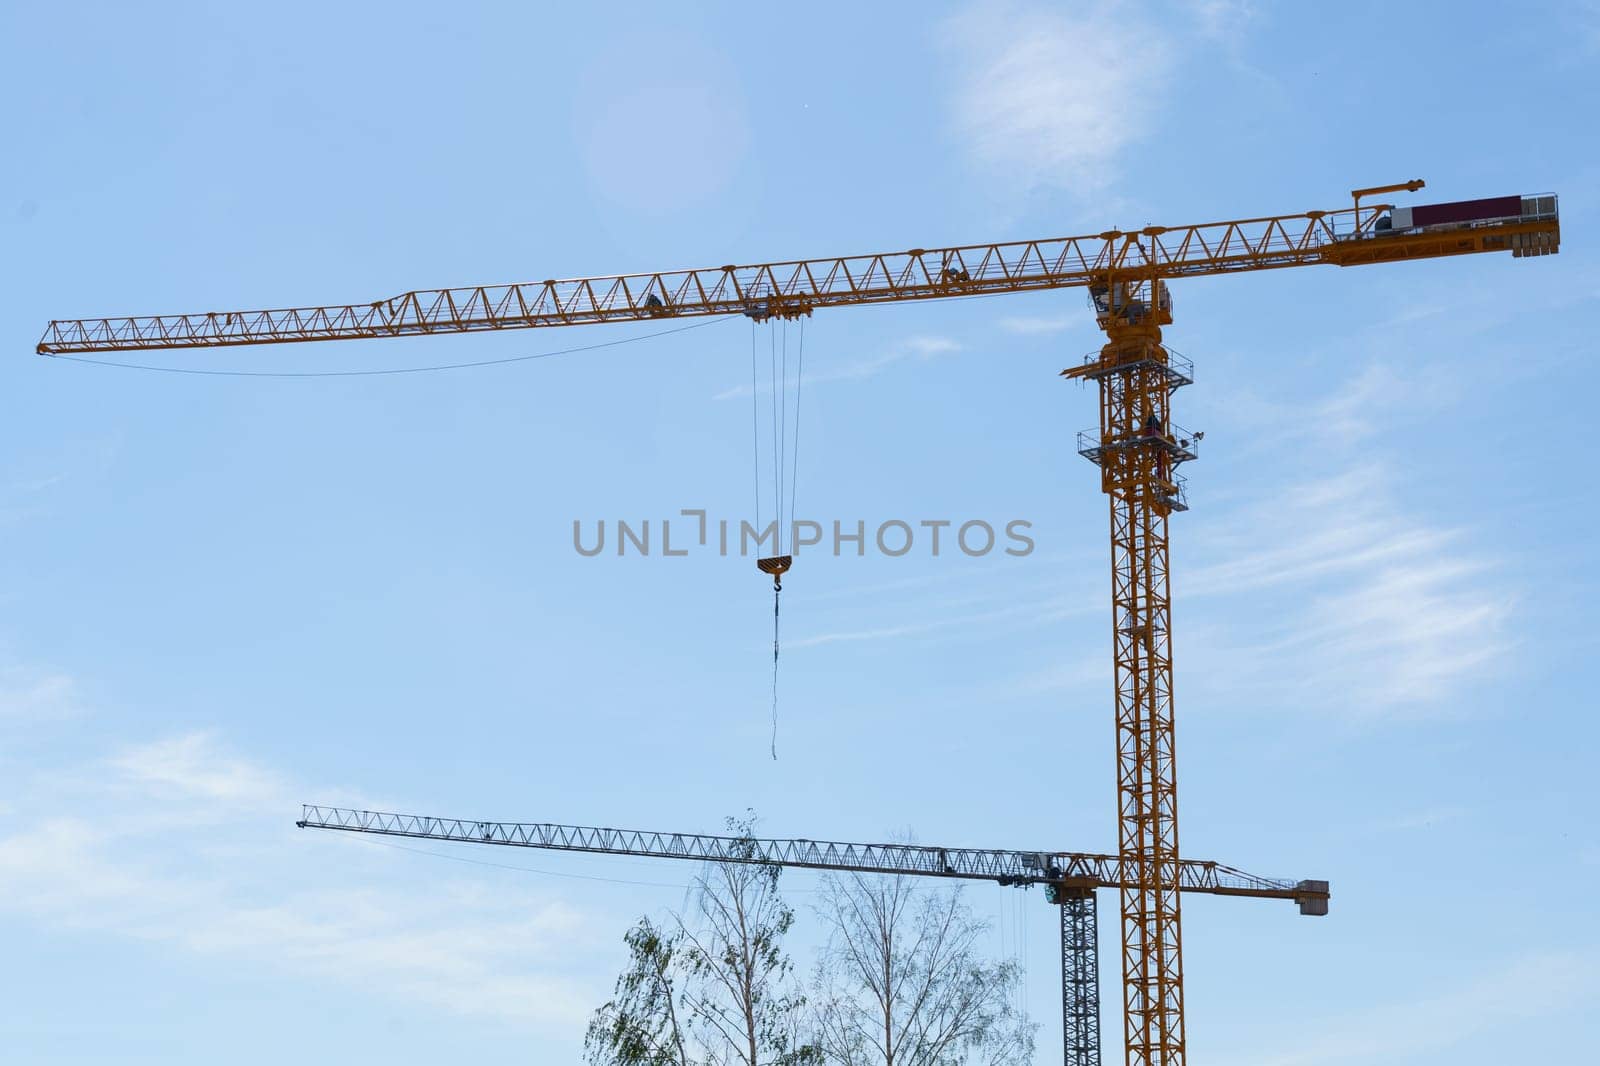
31, 695
1376, 396
1033, 325
1089, 669
1222, 20
1338, 597
1319, 591
1534, 986
1339, 594
1326, 527
1379, 395
1045, 98
194, 767
997, 612
927, 346
187, 846
941, 622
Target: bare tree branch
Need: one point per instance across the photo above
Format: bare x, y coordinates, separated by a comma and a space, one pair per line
719, 991
902, 981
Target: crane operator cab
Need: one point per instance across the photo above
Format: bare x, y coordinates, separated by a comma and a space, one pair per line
1129, 301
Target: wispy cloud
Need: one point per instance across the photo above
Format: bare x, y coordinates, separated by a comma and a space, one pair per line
1318, 586
1378, 395
917, 347
1534, 986
1313, 531
33, 695
1034, 325
1338, 597
926, 347
1047, 98
195, 767
182, 843
1320, 590
942, 621
1222, 19
1088, 669
983, 616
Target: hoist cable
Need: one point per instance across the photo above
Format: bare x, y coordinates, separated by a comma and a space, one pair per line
777, 588
799, 377
777, 492
1022, 986
755, 426
1001, 921
783, 427
785, 469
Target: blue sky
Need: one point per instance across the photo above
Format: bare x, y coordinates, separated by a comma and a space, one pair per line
222, 597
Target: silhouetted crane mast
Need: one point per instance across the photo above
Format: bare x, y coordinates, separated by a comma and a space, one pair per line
1136, 445
1069, 878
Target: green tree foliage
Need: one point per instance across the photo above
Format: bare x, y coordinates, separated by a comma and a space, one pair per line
639, 1026
715, 990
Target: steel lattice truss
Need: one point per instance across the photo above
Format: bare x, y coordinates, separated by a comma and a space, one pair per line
1080, 979
1137, 460
785, 289
1071, 877
1005, 867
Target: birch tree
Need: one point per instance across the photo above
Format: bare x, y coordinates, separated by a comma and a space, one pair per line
903, 982
744, 1002
639, 1026
717, 989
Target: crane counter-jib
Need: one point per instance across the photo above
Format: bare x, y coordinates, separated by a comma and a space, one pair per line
1346, 237
1005, 866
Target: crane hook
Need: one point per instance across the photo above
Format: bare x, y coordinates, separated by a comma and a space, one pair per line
777, 566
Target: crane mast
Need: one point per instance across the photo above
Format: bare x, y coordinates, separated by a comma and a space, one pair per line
1138, 451
1136, 445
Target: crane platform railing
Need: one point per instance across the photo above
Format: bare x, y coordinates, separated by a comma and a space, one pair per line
1180, 445
1177, 368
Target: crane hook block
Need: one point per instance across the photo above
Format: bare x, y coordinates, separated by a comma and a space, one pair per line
776, 565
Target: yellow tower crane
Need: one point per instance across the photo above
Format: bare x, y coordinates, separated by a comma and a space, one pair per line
1137, 447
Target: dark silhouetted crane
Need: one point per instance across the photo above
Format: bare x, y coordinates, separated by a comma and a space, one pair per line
1069, 878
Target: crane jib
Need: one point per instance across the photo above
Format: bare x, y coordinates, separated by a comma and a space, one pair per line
1347, 237
1004, 866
